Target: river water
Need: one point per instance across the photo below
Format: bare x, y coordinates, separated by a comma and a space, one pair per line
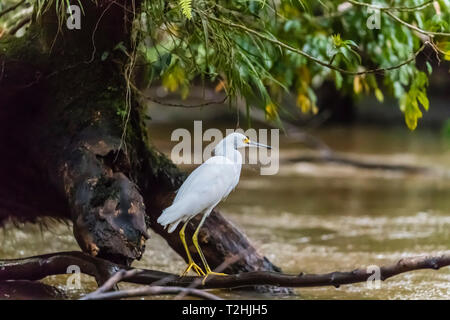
316, 218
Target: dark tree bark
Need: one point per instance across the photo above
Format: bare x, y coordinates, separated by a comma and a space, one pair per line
63, 154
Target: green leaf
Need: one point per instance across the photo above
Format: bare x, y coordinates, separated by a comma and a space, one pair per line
186, 8
379, 95
429, 68
422, 97
105, 55
338, 79
121, 47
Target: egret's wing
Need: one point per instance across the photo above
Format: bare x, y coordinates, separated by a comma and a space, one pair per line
217, 174
205, 187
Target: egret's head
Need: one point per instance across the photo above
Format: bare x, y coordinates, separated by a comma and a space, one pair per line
238, 140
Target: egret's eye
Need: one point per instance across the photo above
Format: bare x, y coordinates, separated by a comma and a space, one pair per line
246, 140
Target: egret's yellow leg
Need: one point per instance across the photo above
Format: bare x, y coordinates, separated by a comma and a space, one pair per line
195, 241
191, 263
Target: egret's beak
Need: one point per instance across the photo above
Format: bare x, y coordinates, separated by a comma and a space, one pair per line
259, 145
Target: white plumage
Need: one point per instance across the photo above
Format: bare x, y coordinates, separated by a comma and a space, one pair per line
205, 187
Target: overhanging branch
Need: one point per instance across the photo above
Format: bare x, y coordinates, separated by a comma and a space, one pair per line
310, 57
388, 11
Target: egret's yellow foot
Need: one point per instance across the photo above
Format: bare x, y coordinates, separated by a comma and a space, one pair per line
209, 272
192, 265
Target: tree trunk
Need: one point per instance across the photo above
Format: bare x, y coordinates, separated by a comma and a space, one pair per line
63, 154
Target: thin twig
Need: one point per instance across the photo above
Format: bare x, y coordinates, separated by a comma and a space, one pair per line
151, 291
112, 282
94, 48
372, 6
413, 27
179, 105
388, 10
157, 288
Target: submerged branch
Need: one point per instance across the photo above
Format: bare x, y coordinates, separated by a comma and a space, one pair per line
38, 267
335, 158
150, 291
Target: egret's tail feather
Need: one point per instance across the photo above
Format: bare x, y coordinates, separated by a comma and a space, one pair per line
170, 218
172, 226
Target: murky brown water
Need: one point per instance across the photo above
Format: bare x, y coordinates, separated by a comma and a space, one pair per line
318, 218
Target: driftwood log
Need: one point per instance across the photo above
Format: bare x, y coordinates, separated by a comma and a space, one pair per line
65, 152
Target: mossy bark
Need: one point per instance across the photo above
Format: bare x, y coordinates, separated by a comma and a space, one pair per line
64, 153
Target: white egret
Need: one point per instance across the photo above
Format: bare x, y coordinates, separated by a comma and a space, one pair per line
205, 187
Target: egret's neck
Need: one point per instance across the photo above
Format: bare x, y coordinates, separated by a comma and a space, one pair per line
229, 151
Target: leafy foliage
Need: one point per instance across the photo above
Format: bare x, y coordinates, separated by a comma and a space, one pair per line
186, 8
261, 49
210, 46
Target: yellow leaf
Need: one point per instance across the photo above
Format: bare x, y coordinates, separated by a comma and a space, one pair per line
315, 109
184, 92
220, 86
444, 47
379, 95
169, 82
271, 111
304, 103
411, 121
337, 40
173, 78
366, 86
304, 75
411, 110
447, 56
357, 86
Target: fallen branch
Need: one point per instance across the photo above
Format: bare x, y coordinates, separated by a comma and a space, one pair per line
303, 280
38, 267
150, 291
29, 290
